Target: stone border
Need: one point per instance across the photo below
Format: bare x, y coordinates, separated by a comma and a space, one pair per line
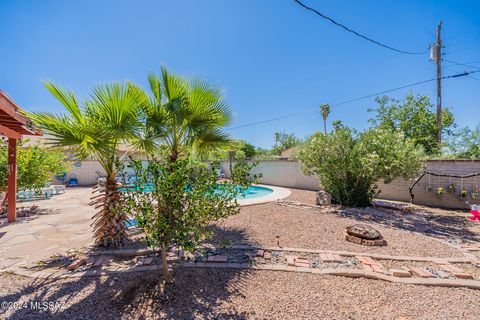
352, 273
277, 194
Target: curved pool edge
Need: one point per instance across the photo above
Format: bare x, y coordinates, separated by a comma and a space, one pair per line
277, 194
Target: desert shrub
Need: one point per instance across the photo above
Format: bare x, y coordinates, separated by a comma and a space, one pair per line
349, 164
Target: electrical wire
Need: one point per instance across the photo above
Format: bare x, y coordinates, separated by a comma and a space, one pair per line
461, 64
350, 101
355, 32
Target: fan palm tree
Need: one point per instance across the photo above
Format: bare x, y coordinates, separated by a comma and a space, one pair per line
110, 116
184, 115
337, 124
325, 111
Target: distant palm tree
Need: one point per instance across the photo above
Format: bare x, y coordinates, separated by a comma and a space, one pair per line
185, 115
109, 117
325, 111
337, 124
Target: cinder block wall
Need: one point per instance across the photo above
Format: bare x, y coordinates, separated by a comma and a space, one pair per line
288, 174
283, 173
398, 189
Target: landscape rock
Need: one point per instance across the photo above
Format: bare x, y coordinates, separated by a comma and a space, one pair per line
323, 198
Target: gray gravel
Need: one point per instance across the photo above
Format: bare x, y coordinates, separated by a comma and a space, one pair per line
262, 224
230, 294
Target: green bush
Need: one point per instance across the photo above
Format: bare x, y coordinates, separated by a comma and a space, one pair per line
35, 167
349, 164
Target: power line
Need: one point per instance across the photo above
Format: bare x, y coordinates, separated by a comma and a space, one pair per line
355, 32
349, 101
461, 64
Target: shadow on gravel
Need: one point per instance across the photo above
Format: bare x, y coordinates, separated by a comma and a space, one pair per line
195, 292
422, 222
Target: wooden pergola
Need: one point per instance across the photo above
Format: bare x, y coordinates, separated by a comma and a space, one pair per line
13, 125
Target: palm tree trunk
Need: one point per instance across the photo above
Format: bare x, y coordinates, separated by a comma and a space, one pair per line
109, 229
325, 125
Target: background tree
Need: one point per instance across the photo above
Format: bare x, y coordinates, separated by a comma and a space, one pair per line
184, 115
349, 164
249, 150
325, 111
414, 116
464, 144
35, 166
95, 129
284, 141
337, 124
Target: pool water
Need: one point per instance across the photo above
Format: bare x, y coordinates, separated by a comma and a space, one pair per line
250, 193
255, 192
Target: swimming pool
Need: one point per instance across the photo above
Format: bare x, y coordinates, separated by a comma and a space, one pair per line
251, 193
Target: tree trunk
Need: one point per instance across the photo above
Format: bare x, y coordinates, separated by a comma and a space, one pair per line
109, 228
166, 275
325, 125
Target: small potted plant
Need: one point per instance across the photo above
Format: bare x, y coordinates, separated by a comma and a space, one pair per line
463, 193
474, 194
439, 191
451, 188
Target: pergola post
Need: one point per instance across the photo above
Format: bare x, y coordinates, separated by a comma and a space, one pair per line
12, 180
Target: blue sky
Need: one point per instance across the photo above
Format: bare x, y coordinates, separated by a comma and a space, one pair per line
272, 57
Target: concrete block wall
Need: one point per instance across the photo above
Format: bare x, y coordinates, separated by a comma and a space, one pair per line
282, 173
398, 189
289, 174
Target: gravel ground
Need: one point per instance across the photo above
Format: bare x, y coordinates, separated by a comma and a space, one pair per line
261, 224
222, 294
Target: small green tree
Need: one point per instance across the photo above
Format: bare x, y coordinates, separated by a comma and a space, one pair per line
464, 144
414, 116
175, 202
349, 164
35, 167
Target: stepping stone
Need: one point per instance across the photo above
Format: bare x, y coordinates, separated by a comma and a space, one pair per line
400, 273
367, 267
450, 268
221, 259
463, 275
366, 260
302, 262
145, 261
260, 253
377, 268
291, 260
77, 263
267, 255
421, 273
102, 261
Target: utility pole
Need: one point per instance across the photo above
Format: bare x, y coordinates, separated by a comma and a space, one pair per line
438, 54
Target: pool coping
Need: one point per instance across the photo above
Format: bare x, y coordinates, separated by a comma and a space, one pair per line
277, 194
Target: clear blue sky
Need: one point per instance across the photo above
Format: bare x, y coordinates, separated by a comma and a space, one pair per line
271, 56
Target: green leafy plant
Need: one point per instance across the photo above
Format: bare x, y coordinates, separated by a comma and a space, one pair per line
349, 164
175, 202
284, 141
463, 193
451, 188
241, 174
35, 166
